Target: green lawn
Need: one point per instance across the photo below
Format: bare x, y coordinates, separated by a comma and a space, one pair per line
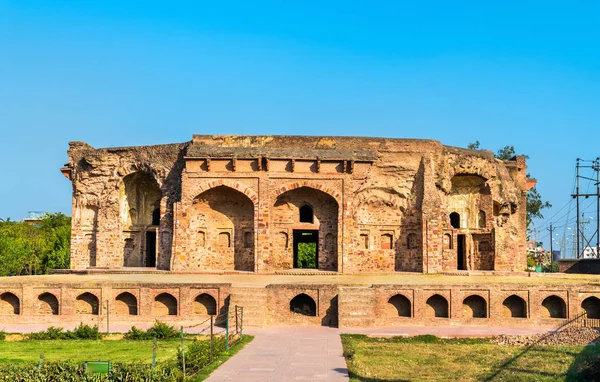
431, 359
86, 350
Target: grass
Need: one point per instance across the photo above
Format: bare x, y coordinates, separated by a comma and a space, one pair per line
86, 350
218, 361
428, 358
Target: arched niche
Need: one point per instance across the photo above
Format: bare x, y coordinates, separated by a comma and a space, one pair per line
87, 303
554, 307
437, 306
126, 304
224, 220
205, 304
399, 306
591, 306
47, 304
515, 307
165, 305
9, 304
303, 304
474, 307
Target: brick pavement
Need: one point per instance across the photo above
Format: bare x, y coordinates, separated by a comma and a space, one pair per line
287, 354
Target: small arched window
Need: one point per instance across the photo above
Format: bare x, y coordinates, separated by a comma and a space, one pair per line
455, 220
306, 214
482, 220
156, 217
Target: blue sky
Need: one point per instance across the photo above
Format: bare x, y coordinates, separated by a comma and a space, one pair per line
116, 73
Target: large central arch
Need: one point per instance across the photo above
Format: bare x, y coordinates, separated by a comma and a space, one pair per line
305, 220
222, 229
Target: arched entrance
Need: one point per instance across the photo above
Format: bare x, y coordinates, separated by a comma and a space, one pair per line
222, 223
139, 196
310, 217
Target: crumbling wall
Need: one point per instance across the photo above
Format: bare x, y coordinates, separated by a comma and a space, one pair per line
101, 211
380, 205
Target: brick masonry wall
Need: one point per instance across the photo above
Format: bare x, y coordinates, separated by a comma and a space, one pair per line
378, 305
383, 209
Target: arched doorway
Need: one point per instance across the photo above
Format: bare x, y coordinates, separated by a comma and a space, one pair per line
139, 196
311, 216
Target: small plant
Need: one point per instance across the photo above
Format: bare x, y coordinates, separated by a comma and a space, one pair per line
52, 333
82, 332
160, 330
86, 332
2, 335
136, 334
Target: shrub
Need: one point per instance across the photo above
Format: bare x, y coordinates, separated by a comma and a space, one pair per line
160, 330
82, 332
74, 372
136, 334
86, 332
2, 335
52, 333
197, 353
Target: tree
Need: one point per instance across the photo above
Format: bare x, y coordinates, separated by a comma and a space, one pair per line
474, 146
27, 249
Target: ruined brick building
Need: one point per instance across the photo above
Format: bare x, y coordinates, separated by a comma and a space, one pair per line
246, 203
183, 231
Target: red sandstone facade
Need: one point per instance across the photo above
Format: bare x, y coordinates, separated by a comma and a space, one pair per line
235, 203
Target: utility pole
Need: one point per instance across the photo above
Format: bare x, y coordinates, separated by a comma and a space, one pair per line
580, 235
583, 223
551, 251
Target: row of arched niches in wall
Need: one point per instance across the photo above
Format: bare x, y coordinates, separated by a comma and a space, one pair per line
475, 306
164, 304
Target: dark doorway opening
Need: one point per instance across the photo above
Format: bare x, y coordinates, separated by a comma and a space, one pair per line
460, 252
306, 249
151, 249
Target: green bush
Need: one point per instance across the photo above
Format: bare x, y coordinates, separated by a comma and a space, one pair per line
160, 330
82, 332
136, 334
86, 332
197, 353
74, 372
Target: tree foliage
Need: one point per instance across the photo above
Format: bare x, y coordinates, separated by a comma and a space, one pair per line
31, 249
307, 255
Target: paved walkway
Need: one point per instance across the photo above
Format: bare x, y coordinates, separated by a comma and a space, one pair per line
287, 354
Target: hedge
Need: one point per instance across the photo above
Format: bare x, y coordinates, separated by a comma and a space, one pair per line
74, 372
